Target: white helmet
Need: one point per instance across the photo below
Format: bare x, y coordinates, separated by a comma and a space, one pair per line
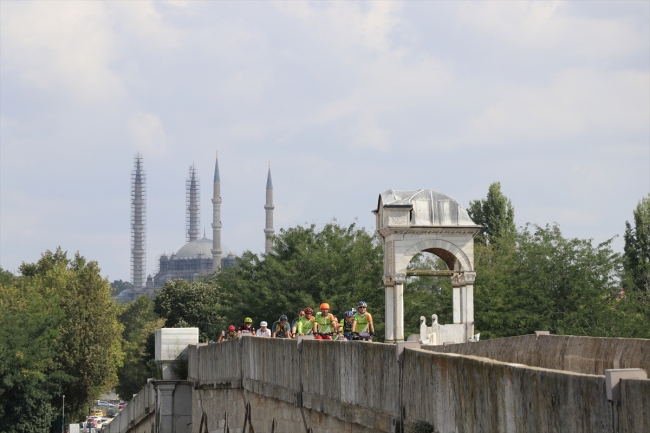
263, 324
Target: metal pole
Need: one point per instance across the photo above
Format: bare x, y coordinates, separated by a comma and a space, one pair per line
63, 420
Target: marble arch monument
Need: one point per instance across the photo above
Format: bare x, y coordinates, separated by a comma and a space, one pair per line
410, 222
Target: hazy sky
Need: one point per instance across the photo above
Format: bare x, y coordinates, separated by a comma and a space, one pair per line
346, 99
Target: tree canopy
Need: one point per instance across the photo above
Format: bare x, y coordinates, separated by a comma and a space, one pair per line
88, 350
637, 248
308, 265
495, 214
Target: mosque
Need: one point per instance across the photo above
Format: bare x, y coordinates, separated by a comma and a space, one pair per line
199, 255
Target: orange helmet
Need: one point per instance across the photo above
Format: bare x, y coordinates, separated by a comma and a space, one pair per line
324, 306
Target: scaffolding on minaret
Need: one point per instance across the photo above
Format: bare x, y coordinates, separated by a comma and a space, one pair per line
193, 199
138, 223
216, 218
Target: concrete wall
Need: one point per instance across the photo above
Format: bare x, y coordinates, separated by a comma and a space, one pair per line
160, 407
458, 393
264, 410
339, 387
589, 355
634, 412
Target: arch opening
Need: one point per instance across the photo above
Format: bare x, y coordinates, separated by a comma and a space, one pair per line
426, 294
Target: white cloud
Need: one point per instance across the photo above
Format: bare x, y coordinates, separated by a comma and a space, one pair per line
385, 77
64, 48
577, 102
148, 133
546, 26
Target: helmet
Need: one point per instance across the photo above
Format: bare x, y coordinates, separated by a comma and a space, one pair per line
348, 313
309, 310
362, 304
231, 328
283, 318
248, 320
264, 324
324, 306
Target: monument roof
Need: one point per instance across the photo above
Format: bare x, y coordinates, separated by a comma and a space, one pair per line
429, 207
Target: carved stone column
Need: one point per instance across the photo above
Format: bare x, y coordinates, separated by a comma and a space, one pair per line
470, 277
389, 282
399, 307
456, 284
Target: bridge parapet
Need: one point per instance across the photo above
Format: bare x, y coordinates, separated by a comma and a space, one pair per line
357, 386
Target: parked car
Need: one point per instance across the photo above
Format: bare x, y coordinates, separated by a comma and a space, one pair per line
112, 413
121, 405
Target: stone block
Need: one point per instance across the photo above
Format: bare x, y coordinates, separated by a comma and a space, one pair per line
171, 343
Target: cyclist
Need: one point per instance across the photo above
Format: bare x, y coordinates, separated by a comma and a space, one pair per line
345, 329
306, 324
247, 327
362, 322
228, 336
294, 324
325, 323
263, 331
280, 329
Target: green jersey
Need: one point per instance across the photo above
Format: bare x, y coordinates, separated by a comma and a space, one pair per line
325, 323
305, 326
363, 322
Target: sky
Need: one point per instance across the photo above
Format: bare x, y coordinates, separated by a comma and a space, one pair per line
344, 99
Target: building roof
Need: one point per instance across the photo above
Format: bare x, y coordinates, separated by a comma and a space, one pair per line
198, 247
430, 208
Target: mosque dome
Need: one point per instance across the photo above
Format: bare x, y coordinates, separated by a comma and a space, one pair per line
428, 207
202, 247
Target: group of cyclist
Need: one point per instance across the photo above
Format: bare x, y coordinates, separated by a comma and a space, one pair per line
356, 325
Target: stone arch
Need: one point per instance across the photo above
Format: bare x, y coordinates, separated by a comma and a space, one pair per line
431, 245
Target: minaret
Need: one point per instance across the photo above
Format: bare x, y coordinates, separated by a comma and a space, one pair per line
138, 223
216, 218
193, 200
268, 231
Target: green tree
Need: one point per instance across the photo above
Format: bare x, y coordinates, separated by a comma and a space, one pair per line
547, 282
90, 350
29, 375
191, 304
495, 213
636, 263
139, 323
637, 248
119, 286
335, 264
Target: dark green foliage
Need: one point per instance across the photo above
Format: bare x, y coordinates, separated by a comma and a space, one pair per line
139, 322
636, 263
637, 248
543, 281
335, 264
192, 303
495, 213
29, 376
421, 427
89, 349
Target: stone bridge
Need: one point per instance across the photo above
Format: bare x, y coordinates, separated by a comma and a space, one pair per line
529, 383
